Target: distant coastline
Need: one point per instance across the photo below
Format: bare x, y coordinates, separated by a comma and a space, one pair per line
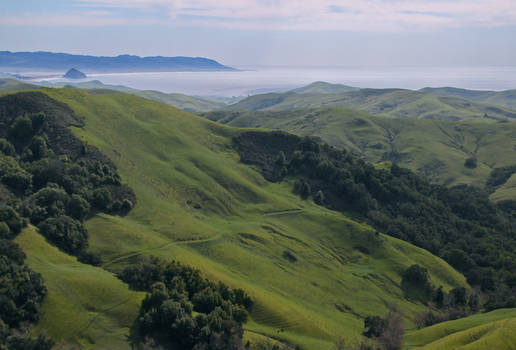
62, 62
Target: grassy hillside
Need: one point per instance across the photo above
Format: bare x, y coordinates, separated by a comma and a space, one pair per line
435, 149
9, 84
493, 330
505, 98
185, 102
396, 103
198, 204
321, 87
85, 305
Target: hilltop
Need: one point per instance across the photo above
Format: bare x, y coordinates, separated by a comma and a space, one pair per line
122, 63
321, 87
188, 103
395, 103
505, 98
74, 74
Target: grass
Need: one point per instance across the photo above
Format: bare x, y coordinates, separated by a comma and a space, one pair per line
396, 103
505, 98
185, 102
9, 85
198, 204
493, 330
435, 149
85, 305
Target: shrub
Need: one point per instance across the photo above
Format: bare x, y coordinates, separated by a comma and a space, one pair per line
65, 232
471, 163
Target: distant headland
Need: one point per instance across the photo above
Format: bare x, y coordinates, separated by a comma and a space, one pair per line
49, 61
74, 74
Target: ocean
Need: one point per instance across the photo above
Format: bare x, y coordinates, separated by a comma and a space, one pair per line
253, 80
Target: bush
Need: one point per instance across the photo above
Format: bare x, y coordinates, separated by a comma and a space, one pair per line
89, 258
65, 232
471, 163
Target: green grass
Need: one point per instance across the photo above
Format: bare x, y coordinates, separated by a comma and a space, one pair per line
493, 330
321, 87
505, 98
396, 103
85, 305
434, 149
10, 85
185, 102
198, 204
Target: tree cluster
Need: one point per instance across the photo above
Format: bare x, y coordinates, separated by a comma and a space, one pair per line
184, 310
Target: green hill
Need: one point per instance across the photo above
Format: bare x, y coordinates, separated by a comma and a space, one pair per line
493, 330
9, 84
321, 87
434, 149
505, 98
185, 102
396, 103
198, 204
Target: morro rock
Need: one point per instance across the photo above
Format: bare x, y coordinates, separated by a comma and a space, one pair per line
74, 74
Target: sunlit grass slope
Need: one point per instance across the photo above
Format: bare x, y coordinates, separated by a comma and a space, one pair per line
435, 149
396, 103
85, 305
493, 330
198, 204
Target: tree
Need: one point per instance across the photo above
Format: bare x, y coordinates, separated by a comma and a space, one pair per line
416, 283
394, 332
65, 232
471, 163
102, 199
21, 128
38, 147
459, 296
7, 148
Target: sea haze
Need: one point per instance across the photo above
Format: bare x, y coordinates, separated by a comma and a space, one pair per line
253, 80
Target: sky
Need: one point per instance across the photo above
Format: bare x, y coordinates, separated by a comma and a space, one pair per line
270, 32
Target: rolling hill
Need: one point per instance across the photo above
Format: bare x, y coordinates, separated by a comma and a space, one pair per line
492, 330
9, 84
321, 87
435, 149
505, 98
188, 103
198, 204
395, 103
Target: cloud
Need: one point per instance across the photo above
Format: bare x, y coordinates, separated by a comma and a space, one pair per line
352, 15
73, 19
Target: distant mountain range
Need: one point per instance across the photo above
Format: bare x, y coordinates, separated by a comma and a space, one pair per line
50, 61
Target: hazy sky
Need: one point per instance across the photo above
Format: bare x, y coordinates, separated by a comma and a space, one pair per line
270, 32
